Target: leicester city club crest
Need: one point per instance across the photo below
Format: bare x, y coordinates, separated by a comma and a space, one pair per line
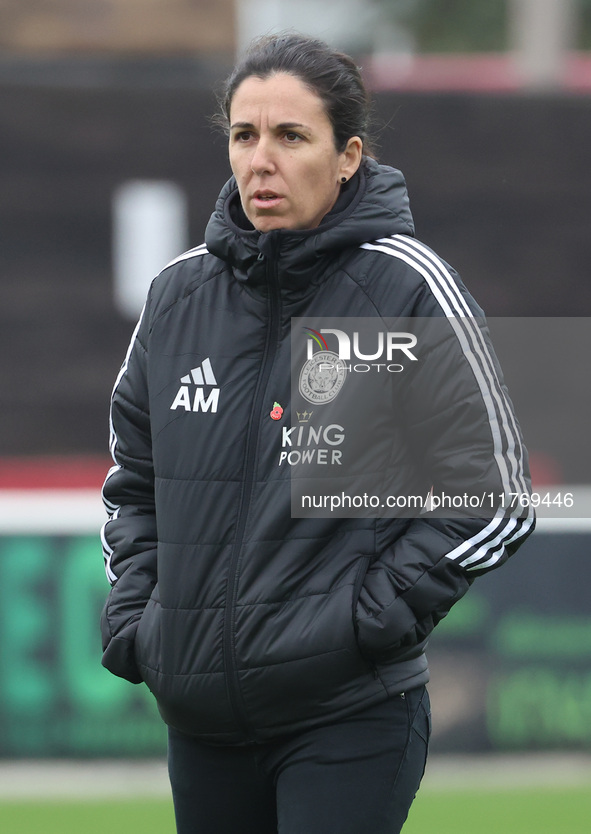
322, 377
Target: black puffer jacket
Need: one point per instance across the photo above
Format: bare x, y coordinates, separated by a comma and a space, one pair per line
245, 618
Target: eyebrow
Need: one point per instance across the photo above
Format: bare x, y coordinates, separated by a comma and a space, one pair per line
281, 126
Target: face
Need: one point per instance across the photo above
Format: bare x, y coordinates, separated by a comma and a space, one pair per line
283, 154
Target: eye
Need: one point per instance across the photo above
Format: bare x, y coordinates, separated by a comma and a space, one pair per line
292, 137
243, 136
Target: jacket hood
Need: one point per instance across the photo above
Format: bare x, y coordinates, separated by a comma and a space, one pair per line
373, 204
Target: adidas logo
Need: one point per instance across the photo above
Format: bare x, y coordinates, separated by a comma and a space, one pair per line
201, 376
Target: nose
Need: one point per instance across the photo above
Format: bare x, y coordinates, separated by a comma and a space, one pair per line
263, 161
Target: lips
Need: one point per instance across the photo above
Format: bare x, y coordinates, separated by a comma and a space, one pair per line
266, 199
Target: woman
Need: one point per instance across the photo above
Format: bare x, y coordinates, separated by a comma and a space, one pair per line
286, 649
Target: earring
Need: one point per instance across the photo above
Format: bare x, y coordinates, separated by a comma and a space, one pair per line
343, 180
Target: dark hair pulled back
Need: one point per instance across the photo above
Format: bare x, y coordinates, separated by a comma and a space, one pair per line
333, 76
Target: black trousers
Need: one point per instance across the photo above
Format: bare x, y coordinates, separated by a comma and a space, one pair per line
357, 776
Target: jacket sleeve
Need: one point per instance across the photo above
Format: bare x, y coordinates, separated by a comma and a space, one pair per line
129, 536
462, 428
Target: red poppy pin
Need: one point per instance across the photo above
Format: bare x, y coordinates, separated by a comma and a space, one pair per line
277, 412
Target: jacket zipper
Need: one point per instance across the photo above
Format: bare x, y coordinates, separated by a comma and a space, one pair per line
270, 349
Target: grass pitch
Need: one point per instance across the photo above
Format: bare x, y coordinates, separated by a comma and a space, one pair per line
87, 817
511, 811
535, 811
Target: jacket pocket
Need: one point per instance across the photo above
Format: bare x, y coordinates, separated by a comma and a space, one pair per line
364, 564
147, 638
